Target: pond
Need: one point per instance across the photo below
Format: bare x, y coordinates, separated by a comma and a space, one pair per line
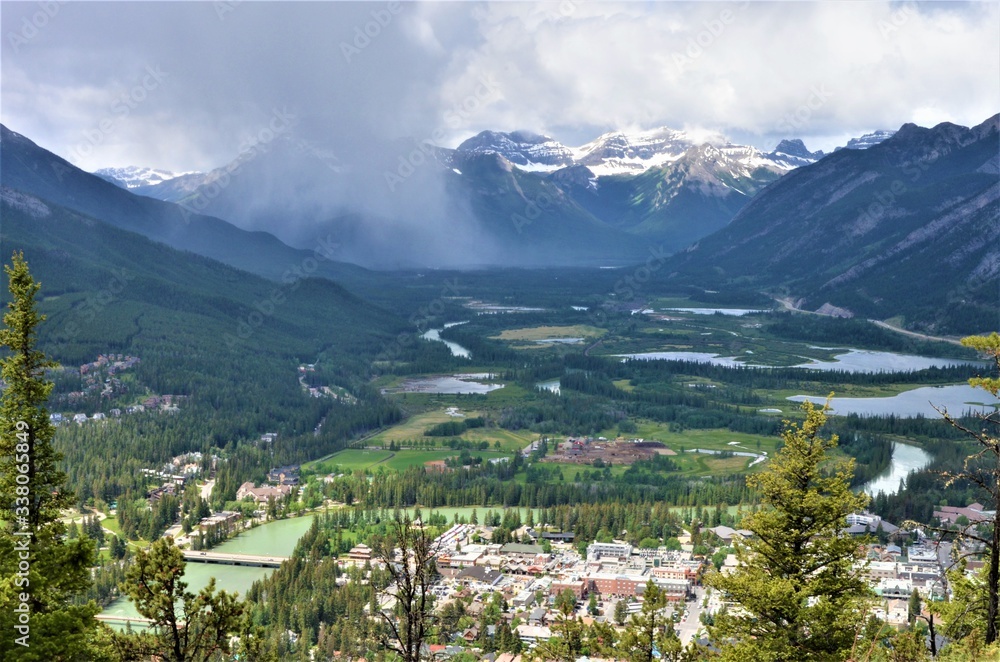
864, 360
550, 385
852, 360
484, 308
461, 384
738, 312
957, 398
697, 357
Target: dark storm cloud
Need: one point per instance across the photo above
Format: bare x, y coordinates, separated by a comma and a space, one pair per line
331, 91
347, 70
355, 71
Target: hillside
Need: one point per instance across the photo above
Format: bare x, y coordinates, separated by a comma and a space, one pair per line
106, 289
408, 204
222, 346
906, 228
675, 204
27, 167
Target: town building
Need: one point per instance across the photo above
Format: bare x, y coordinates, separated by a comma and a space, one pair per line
263, 493
616, 550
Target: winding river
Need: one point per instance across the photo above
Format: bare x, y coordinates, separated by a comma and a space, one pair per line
456, 349
905, 458
277, 538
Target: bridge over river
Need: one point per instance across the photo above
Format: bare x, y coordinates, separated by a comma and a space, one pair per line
260, 561
108, 618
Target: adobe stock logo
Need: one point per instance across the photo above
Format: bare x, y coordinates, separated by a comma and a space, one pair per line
486, 92
31, 26
120, 109
281, 122
796, 120
265, 308
364, 34
703, 40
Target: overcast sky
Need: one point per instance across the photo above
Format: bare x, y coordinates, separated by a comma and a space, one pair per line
186, 86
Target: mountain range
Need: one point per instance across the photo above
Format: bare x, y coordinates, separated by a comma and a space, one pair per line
135, 176
30, 169
610, 154
616, 153
856, 232
908, 228
110, 287
478, 204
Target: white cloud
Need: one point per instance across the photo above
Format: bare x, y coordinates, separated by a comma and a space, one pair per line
757, 71
744, 67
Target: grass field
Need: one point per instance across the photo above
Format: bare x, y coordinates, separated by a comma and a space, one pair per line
689, 464
359, 458
510, 395
348, 460
570, 470
544, 332
509, 441
698, 464
111, 524
466, 512
406, 458
717, 439
412, 430
414, 427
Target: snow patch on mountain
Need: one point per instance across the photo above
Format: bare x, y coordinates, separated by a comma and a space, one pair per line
629, 153
868, 140
619, 152
529, 151
130, 177
793, 153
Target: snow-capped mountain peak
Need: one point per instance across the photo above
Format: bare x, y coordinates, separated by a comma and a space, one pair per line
621, 152
793, 154
795, 147
869, 139
130, 177
625, 152
527, 150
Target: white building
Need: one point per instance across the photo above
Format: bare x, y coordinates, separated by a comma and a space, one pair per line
532, 634
599, 550
922, 555
899, 589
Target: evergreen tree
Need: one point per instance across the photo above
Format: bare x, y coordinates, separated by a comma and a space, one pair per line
983, 470
187, 627
650, 634
40, 571
621, 612
117, 548
507, 640
410, 578
568, 642
797, 592
901, 647
913, 607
